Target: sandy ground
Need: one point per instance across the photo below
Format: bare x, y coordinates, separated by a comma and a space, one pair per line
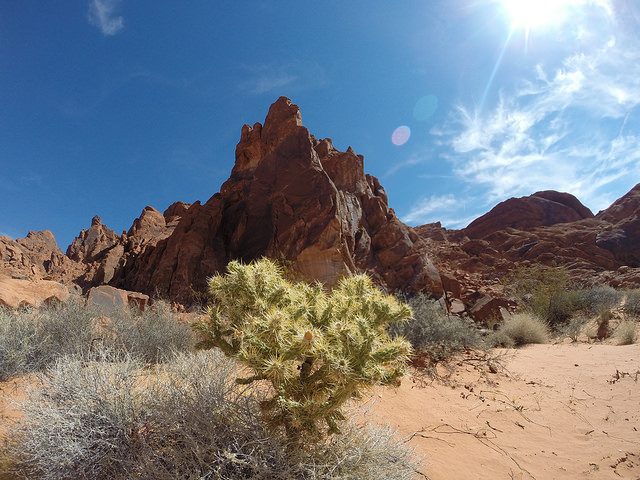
566, 411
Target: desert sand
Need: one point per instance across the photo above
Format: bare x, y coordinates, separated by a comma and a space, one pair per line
549, 412
565, 411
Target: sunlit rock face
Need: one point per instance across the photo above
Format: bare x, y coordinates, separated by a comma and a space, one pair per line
34, 257
293, 197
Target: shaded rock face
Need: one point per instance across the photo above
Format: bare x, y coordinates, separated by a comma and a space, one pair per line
622, 235
293, 197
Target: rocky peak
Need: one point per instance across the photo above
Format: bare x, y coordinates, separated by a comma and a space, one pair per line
36, 256
293, 196
92, 242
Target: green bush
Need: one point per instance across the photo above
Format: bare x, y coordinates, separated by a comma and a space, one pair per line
186, 419
632, 303
598, 300
432, 331
521, 329
545, 292
316, 349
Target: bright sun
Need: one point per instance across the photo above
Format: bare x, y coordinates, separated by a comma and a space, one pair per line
530, 14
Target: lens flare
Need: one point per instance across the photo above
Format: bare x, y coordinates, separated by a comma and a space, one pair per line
425, 108
400, 135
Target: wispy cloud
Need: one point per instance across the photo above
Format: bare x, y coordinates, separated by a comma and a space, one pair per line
427, 206
102, 14
565, 129
273, 77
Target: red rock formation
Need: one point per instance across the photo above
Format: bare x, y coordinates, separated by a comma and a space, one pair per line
622, 237
538, 210
36, 256
538, 229
289, 196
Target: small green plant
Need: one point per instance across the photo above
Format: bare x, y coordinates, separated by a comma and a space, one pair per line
522, 329
316, 349
574, 327
545, 292
626, 333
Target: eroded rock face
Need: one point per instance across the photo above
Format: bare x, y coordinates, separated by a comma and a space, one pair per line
622, 236
36, 256
92, 243
294, 197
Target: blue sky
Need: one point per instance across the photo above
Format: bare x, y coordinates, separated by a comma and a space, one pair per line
107, 106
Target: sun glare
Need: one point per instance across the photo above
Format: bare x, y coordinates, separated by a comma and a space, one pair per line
531, 14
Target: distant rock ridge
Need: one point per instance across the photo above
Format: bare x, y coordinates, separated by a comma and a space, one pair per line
546, 228
293, 197
542, 209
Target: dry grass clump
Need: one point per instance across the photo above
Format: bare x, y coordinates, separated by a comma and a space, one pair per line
626, 333
154, 335
110, 418
522, 329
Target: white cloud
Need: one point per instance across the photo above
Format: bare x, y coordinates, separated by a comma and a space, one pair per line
102, 15
426, 207
562, 130
274, 77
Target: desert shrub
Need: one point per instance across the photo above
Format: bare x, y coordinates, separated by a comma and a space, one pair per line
316, 349
20, 344
632, 303
31, 339
598, 300
544, 291
521, 329
112, 419
154, 335
626, 333
430, 330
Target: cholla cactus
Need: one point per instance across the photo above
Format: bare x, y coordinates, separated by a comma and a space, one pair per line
317, 349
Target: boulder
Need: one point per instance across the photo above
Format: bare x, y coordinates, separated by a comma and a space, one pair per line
110, 298
17, 293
